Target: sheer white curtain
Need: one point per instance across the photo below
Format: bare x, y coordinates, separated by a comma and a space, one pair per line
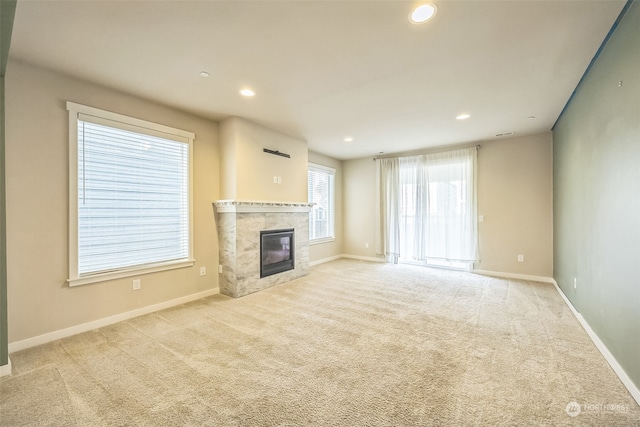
387, 217
414, 207
428, 207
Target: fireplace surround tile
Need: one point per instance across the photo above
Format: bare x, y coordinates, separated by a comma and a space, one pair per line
239, 224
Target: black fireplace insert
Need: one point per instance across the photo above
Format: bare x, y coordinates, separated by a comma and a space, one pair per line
276, 251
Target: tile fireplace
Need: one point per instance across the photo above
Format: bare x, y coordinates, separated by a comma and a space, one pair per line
242, 226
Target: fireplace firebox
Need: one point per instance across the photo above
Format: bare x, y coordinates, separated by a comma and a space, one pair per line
276, 251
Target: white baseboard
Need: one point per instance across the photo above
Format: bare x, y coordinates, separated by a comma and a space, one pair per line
362, 258
323, 260
611, 360
635, 392
333, 258
514, 276
95, 324
5, 369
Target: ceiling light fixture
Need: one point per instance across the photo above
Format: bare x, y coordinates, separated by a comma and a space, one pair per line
204, 74
247, 92
423, 13
463, 117
348, 139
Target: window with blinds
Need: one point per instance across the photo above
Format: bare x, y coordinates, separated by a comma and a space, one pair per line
133, 200
320, 180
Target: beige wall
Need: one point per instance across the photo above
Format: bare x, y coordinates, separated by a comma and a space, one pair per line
37, 206
248, 172
359, 207
321, 251
227, 131
514, 195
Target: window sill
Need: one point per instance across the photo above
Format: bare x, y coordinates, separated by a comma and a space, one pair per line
323, 240
136, 271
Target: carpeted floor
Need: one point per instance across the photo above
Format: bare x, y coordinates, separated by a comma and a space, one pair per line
352, 344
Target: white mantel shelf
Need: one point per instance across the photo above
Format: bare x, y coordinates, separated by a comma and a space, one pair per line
247, 206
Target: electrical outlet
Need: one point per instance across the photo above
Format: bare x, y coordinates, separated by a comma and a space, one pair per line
366, 245
520, 258
279, 180
275, 179
136, 284
203, 271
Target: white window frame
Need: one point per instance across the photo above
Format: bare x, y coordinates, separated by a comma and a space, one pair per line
125, 122
331, 171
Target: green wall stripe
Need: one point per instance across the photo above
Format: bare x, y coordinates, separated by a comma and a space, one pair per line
7, 15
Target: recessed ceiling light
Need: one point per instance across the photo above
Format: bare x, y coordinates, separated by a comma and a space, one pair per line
204, 74
247, 92
423, 13
463, 117
348, 139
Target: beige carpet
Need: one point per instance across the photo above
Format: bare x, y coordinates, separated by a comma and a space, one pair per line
353, 344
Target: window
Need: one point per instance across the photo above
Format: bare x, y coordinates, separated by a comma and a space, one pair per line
321, 193
130, 196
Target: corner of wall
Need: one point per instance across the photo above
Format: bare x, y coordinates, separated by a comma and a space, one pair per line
5, 370
227, 135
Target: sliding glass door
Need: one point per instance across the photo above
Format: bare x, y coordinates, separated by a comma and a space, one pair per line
436, 204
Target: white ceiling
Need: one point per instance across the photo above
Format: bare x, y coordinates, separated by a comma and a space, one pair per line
325, 70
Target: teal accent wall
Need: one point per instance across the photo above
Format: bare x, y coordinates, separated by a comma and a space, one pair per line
4, 337
7, 13
597, 195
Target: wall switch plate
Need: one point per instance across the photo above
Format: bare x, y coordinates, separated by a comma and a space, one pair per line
366, 245
279, 180
520, 258
575, 283
136, 284
203, 271
480, 218
275, 179
220, 269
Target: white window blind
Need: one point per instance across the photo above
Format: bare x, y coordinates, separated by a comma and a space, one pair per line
320, 181
133, 196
